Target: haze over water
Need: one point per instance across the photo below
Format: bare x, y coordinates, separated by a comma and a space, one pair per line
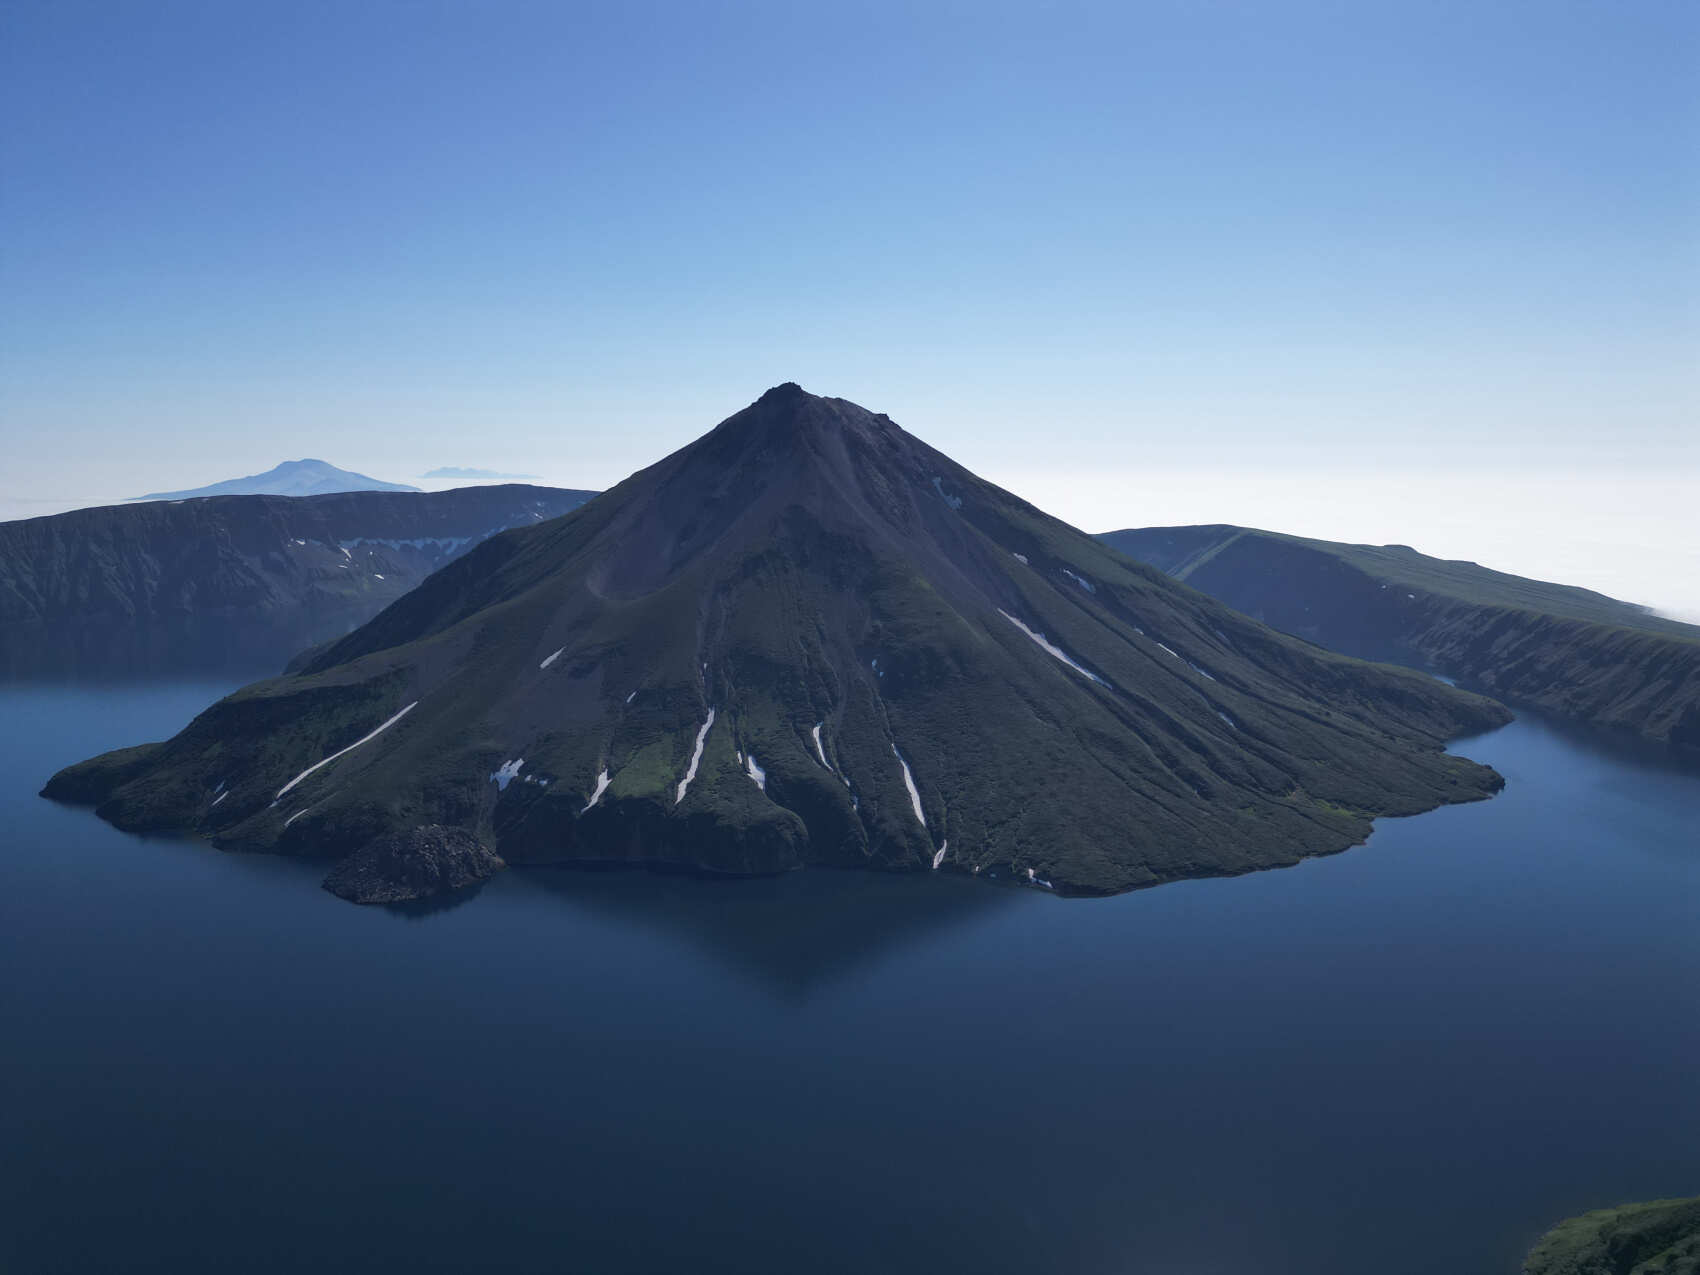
1413, 272
1413, 1057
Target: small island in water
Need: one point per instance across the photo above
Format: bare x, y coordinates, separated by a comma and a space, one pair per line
805, 638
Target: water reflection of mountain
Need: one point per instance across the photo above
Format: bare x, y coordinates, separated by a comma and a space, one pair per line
793, 934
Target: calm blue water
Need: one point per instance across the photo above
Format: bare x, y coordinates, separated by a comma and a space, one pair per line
1413, 1057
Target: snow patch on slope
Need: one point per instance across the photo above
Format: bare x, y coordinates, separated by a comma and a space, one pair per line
696, 757
356, 744
756, 772
552, 658
1052, 648
505, 773
955, 502
1082, 581
601, 787
909, 783
444, 544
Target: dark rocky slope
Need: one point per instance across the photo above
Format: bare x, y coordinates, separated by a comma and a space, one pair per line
1553, 647
233, 581
1657, 1238
809, 638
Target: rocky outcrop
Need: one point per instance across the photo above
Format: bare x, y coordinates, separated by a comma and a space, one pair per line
418, 863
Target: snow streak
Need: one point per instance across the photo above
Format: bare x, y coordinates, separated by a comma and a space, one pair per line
909, 783
601, 787
1052, 648
696, 758
356, 744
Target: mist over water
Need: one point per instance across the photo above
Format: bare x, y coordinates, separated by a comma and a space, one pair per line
1411, 1058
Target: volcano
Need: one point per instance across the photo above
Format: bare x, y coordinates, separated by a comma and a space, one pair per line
806, 638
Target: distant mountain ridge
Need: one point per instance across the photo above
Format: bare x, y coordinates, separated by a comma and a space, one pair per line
291, 478
1554, 647
805, 638
238, 582
478, 475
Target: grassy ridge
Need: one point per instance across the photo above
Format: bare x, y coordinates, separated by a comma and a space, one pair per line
239, 581
1657, 1238
1564, 650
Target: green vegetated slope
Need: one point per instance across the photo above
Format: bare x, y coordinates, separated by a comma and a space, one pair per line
731, 660
240, 579
1657, 1238
1562, 649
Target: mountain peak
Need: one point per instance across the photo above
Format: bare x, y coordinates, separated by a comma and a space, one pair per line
787, 391
305, 477
808, 637
788, 420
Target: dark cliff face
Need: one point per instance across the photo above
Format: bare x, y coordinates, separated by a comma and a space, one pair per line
238, 582
809, 638
1560, 649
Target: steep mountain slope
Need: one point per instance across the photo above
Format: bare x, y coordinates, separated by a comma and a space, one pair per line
1658, 1238
234, 581
809, 638
1562, 649
292, 478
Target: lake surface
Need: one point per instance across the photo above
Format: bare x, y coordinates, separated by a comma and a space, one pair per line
1413, 1057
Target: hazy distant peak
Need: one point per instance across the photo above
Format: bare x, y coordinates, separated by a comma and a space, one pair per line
306, 477
480, 475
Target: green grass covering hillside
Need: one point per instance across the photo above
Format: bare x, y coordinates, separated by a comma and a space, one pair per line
1658, 1238
1561, 649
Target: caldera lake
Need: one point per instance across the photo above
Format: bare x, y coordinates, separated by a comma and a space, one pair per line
1407, 1059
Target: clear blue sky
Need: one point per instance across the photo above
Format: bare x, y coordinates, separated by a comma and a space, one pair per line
1140, 262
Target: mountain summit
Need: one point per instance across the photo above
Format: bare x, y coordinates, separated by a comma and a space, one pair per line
291, 478
809, 638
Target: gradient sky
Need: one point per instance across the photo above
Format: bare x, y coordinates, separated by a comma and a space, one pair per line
1416, 272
